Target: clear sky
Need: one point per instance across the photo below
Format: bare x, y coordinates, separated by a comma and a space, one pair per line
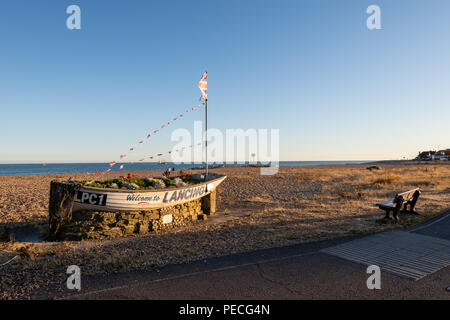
336, 90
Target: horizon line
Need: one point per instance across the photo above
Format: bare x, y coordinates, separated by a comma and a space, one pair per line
202, 162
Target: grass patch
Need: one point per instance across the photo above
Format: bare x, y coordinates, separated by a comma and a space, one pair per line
387, 178
121, 262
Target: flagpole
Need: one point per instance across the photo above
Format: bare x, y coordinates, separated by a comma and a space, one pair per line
203, 85
206, 136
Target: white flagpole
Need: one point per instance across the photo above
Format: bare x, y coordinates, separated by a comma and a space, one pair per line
206, 135
203, 85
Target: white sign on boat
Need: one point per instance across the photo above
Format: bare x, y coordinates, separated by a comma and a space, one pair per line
134, 200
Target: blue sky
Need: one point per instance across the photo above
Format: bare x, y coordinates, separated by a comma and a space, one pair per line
336, 90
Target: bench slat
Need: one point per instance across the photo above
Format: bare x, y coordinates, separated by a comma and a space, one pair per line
386, 204
407, 195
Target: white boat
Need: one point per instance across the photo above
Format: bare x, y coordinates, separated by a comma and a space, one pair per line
103, 199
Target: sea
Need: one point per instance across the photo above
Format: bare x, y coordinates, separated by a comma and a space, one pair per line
68, 168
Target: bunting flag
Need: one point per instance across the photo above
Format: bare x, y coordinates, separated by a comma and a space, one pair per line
162, 127
203, 85
163, 154
142, 159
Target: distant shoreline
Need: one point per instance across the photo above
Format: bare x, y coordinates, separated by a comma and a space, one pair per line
83, 168
410, 162
8, 170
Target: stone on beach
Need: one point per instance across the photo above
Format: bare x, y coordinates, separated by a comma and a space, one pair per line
160, 184
148, 181
179, 182
130, 186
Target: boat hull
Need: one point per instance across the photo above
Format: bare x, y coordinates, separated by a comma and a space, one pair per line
100, 199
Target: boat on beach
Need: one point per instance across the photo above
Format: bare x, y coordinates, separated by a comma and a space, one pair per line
106, 199
136, 194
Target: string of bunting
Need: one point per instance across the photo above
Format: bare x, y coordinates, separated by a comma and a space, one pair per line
203, 85
164, 125
150, 157
149, 135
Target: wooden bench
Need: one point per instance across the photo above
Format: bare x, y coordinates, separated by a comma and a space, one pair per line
401, 199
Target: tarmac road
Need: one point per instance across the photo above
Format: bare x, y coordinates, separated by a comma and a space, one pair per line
293, 272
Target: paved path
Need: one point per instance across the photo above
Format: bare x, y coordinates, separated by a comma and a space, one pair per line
293, 272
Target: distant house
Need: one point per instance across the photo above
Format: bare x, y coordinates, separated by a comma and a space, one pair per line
443, 155
426, 155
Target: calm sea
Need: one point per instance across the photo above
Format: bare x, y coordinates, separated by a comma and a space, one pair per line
67, 168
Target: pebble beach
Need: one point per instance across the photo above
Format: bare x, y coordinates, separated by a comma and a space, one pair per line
298, 204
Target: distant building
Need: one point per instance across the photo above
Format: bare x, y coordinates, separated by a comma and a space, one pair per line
426, 155
443, 155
